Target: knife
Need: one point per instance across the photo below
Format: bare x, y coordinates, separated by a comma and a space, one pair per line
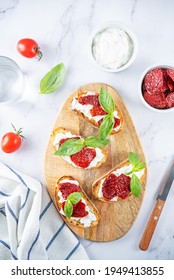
154, 218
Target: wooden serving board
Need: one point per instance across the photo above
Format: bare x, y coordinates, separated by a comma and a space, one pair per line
116, 218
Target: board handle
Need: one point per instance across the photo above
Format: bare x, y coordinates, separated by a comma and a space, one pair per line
151, 225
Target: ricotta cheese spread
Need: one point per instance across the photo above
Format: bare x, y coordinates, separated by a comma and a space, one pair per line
99, 155
112, 48
118, 172
69, 181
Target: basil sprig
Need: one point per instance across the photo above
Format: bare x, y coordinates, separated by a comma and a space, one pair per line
73, 198
95, 142
135, 185
70, 147
53, 79
73, 146
137, 165
106, 126
107, 103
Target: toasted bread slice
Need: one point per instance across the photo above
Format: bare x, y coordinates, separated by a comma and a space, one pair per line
118, 170
84, 112
93, 217
62, 133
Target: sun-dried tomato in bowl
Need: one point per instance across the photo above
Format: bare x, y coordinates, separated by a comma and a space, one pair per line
156, 88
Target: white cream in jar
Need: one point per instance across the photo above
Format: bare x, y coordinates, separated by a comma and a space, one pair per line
112, 48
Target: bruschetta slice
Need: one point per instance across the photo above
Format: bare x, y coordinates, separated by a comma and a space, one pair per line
87, 106
81, 214
119, 183
86, 158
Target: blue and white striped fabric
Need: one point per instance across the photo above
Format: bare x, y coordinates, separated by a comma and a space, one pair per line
30, 226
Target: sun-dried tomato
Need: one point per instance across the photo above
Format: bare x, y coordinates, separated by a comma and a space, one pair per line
65, 139
84, 157
123, 186
79, 209
108, 187
97, 111
117, 122
68, 188
89, 100
116, 186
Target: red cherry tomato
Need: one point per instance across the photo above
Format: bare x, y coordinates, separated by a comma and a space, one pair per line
29, 48
11, 141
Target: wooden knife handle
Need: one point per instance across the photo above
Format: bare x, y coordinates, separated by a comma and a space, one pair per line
151, 225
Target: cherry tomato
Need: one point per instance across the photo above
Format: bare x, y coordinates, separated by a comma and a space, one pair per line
29, 48
11, 141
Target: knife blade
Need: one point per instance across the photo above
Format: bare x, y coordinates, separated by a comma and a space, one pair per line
166, 187
154, 218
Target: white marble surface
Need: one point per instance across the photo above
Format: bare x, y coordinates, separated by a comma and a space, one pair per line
62, 29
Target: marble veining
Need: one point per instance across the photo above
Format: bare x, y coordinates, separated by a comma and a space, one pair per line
66, 22
62, 29
7, 6
91, 14
134, 5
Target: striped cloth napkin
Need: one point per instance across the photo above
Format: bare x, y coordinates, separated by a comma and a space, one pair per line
30, 226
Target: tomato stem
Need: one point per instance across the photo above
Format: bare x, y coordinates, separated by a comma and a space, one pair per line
39, 54
18, 132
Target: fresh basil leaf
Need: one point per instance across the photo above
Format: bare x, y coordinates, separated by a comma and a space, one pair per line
130, 172
53, 79
75, 197
68, 209
106, 101
106, 126
133, 158
70, 147
95, 142
135, 185
139, 166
